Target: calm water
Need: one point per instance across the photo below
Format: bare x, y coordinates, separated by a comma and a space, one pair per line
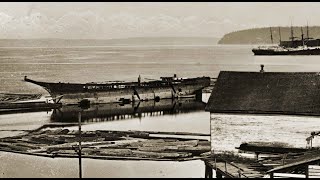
124, 63
230, 131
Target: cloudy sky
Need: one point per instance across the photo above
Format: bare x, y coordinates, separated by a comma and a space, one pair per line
105, 20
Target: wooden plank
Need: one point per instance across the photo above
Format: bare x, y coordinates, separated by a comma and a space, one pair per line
314, 170
298, 163
289, 175
314, 176
314, 167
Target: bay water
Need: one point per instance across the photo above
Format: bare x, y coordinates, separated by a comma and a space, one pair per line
83, 64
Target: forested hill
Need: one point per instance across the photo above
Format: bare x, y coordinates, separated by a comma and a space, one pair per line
262, 35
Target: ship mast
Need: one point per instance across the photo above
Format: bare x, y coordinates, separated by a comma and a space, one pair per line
307, 31
302, 37
271, 36
292, 38
279, 35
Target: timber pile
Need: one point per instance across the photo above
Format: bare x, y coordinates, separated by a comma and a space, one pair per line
128, 145
8, 97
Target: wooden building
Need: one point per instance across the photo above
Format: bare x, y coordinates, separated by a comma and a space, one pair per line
264, 120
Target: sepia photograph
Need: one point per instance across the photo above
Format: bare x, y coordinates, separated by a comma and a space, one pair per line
159, 89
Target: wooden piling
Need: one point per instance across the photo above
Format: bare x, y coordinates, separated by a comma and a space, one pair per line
79, 152
208, 171
218, 174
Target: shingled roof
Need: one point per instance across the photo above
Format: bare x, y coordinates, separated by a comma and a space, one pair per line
296, 93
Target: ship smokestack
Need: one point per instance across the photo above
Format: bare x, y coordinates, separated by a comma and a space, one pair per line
261, 70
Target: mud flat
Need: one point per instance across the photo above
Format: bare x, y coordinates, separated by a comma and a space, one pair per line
120, 145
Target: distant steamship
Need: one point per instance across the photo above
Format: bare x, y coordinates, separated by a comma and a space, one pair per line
124, 92
303, 46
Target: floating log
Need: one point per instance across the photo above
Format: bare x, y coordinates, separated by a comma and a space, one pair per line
27, 106
162, 142
269, 149
13, 147
146, 154
116, 152
177, 133
51, 125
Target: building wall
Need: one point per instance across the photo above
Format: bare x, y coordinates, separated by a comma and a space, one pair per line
230, 131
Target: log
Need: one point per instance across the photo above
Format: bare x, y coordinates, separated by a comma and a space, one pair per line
159, 132
269, 149
115, 152
161, 142
13, 147
160, 155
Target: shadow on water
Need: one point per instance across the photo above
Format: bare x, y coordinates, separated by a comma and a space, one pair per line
117, 111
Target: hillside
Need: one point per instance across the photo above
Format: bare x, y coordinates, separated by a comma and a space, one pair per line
262, 35
136, 41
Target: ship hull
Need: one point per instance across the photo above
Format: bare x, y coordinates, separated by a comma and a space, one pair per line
142, 94
68, 93
269, 52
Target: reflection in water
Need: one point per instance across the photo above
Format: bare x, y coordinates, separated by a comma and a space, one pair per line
116, 111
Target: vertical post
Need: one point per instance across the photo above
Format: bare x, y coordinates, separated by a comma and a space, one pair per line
210, 172
225, 166
284, 158
215, 163
271, 175
211, 150
79, 151
219, 175
206, 170
307, 171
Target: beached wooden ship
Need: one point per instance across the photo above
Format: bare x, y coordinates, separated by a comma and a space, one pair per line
166, 88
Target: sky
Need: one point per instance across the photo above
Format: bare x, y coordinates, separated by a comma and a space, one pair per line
107, 20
